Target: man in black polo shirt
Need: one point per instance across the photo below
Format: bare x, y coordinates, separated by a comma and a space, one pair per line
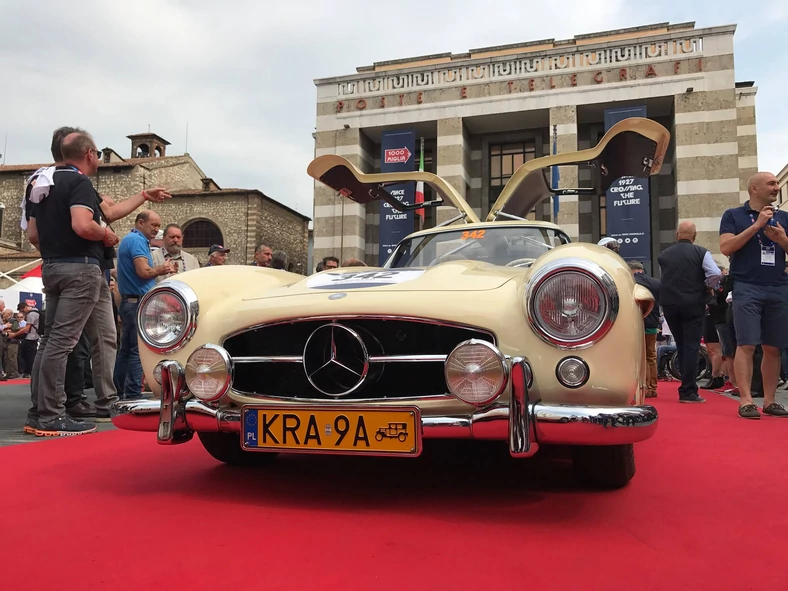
66, 226
753, 235
687, 271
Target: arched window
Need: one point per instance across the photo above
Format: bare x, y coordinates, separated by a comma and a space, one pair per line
201, 234
143, 151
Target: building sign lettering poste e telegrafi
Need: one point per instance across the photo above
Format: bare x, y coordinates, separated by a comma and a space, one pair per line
526, 85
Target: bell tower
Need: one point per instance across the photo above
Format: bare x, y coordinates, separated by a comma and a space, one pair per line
148, 145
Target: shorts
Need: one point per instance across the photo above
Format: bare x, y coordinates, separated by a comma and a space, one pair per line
760, 314
710, 330
727, 339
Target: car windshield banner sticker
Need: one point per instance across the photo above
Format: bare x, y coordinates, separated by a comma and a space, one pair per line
360, 279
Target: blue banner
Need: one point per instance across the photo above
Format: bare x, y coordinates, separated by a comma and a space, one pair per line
397, 154
628, 217
34, 300
628, 203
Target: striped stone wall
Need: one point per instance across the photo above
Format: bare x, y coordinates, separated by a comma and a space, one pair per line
340, 224
564, 121
706, 160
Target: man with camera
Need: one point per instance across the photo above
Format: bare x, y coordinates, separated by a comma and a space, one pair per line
753, 235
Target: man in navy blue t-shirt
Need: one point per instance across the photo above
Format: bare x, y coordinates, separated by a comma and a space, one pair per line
136, 276
753, 235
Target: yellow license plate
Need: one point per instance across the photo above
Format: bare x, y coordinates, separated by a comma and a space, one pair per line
343, 430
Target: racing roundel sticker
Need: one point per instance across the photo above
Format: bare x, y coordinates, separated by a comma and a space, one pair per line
361, 279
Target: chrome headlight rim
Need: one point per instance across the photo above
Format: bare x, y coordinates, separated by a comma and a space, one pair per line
189, 299
570, 359
228, 362
591, 270
505, 369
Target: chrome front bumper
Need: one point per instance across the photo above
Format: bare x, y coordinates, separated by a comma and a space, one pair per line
524, 424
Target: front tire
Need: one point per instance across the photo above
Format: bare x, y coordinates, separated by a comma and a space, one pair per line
604, 466
226, 447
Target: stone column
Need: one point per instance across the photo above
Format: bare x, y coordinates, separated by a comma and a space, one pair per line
339, 223
453, 161
706, 160
746, 139
565, 121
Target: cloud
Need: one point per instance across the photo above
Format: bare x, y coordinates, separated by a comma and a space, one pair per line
240, 72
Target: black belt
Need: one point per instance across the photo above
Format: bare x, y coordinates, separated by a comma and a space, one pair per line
130, 297
84, 260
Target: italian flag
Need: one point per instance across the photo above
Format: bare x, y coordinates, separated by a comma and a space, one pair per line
420, 184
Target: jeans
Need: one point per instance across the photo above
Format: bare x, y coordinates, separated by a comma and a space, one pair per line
78, 299
128, 369
686, 324
651, 363
75, 371
27, 355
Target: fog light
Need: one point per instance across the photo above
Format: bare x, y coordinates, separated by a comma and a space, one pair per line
209, 373
157, 372
476, 372
572, 372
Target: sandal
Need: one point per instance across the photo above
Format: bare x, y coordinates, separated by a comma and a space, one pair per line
775, 410
749, 411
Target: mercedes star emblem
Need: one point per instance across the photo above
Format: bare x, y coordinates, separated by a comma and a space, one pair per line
336, 360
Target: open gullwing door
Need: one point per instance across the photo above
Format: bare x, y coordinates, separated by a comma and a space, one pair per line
633, 147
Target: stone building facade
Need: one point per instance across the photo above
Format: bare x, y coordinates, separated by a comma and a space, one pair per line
782, 179
240, 219
468, 106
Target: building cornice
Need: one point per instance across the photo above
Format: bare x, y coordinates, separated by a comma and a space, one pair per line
564, 50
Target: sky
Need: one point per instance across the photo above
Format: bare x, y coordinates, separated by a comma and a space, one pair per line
238, 74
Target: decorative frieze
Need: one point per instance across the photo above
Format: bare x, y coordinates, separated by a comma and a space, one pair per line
493, 71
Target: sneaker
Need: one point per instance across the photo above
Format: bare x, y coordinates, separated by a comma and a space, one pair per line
734, 391
714, 383
81, 410
64, 427
694, 400
726, 386
31, 425
102, 416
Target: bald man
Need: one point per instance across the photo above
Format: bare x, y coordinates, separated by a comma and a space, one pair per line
688, 271
136, 276
753, 235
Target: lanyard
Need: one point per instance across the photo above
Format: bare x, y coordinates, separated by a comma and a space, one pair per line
758, 234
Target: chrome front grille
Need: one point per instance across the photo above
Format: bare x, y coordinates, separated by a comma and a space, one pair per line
378, 357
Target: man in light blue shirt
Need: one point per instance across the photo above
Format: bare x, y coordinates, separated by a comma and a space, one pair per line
136, 276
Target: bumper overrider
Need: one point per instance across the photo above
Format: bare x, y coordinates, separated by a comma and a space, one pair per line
524, 423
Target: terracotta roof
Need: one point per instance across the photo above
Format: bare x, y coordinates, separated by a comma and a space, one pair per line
129, 162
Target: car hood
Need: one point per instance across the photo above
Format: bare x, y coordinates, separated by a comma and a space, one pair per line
451, 276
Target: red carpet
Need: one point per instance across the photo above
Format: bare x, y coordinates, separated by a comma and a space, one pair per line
707, 510
15, 382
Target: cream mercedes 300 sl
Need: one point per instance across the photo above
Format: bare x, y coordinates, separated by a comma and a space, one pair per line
493, 330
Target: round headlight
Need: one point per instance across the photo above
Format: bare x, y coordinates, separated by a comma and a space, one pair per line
572, 306
167, 317
476, 372
209, 373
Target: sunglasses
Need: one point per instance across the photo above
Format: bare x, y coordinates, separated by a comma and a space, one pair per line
97, 153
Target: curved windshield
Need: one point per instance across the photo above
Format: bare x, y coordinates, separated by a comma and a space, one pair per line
505, 245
